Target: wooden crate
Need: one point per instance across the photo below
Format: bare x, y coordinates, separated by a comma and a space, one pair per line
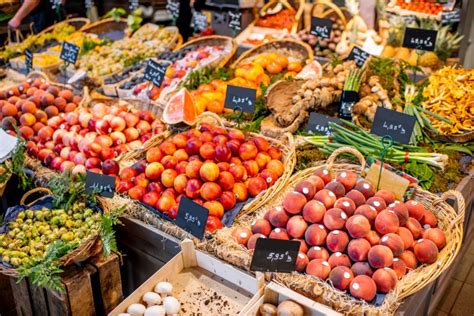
203, 284
275, 294
94, 288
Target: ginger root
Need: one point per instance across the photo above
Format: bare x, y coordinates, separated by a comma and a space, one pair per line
367, 105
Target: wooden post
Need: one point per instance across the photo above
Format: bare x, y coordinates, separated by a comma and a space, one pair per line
22, 297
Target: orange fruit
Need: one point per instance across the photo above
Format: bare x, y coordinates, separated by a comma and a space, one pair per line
215, 106
200, 103
282, 61
274, 68
216, 83
294, 66
205, 87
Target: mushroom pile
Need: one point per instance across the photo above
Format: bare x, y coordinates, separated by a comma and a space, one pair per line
160, 302
285, 308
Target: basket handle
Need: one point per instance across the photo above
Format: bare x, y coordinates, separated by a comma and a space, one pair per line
461, 204
35, 190
210, 115
345, 150
38, 73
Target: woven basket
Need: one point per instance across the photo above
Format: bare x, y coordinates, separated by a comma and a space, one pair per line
224, 246
106, 25
297, 5
214, 40
287, 47
89, 247
326, 8
453, 138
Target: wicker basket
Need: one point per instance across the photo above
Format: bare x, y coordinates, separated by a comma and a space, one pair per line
297, 5
89, 247
103, 26
287, 47
326, 8
453, 138
224, 246
78, 23
214, 40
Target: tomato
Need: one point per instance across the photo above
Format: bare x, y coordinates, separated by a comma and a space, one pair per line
213, 224
274, 68
294, 66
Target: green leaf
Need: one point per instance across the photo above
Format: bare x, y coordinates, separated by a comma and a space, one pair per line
107, 232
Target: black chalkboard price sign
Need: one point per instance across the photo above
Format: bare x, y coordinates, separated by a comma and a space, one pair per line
235, 21
450, 17
359, 56
28, 60
192, 217
319, 123
419, 39
155, 72
275, 255
100, 183
69, 52
240, 98
321, 27
199, 21
173, 8
395, 124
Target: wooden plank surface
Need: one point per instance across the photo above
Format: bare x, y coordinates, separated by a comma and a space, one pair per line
38, 298
22, 297
7, 305
79, 289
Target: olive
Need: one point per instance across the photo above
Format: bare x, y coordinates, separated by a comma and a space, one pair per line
21, 215
29, 214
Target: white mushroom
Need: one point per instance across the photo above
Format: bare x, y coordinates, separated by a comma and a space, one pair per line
136, 309
152, 298
156, 310
171, 305
164, 289
290, 308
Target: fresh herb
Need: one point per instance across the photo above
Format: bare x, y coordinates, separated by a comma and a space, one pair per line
422, 172
15, 164
107, 232
134, 20
204, 76
68, 189
116, 14
386, 69
88, 45
306, 155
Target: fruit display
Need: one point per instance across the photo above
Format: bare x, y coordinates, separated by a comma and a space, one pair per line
283, 19
213, 166
25, 239
360, 239
41, 61
418, 6
160, 302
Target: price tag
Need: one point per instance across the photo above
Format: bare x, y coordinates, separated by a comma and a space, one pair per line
451, 17
395, 124
275, 255
321, 27
199, 21
100, 183
155, 72
55, 4
419, 39
240, 98
9, 143
134, 4
234, 21
69, 52
192, 217
173, 8
359, 56
408, 18
319, 123
28, 60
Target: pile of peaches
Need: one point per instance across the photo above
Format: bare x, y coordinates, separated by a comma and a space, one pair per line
360, 239
65, 137
211, 165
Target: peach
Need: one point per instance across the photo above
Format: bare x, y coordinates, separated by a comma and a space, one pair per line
275, 166
406, 236
415, 209
319, 268
181, 167
192, 146
348, 179
401, 210
226, 180
341, 277
409, 259
180, 183
220, 139
228, 200
241, 235
363, 287
336, 187
368, 212
279, 233
335, 218
339, 259
376, 202
388, 196
317, 252
425, 251
357, 197
301, 262
293, 202
223, 166
193, 168
437, 236
328, 198
303, 245
238, 172
337, 240
346, 204
358, 226
278, 217
415, 228
261, 143
210, 191
193, 186
154, 170
269, 176
223, 154
296, 226
358, 249
380, 256
26, 132
253, 240
313, 211
181, 155
209, 171
206, 137
208, 150
429, 220
386, 222
306, 188
140, 180
137, 192
179, 140
41, 116
168, 176
394, 242
317, 182
315, 235
165, 203
275, 153
215, 208
27, 119
262, 159
366, 188
240, 191
385, 279
167, 147
237, 135
399, 267
248, 151
324, 174
151, 198
256, 185
362, 268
